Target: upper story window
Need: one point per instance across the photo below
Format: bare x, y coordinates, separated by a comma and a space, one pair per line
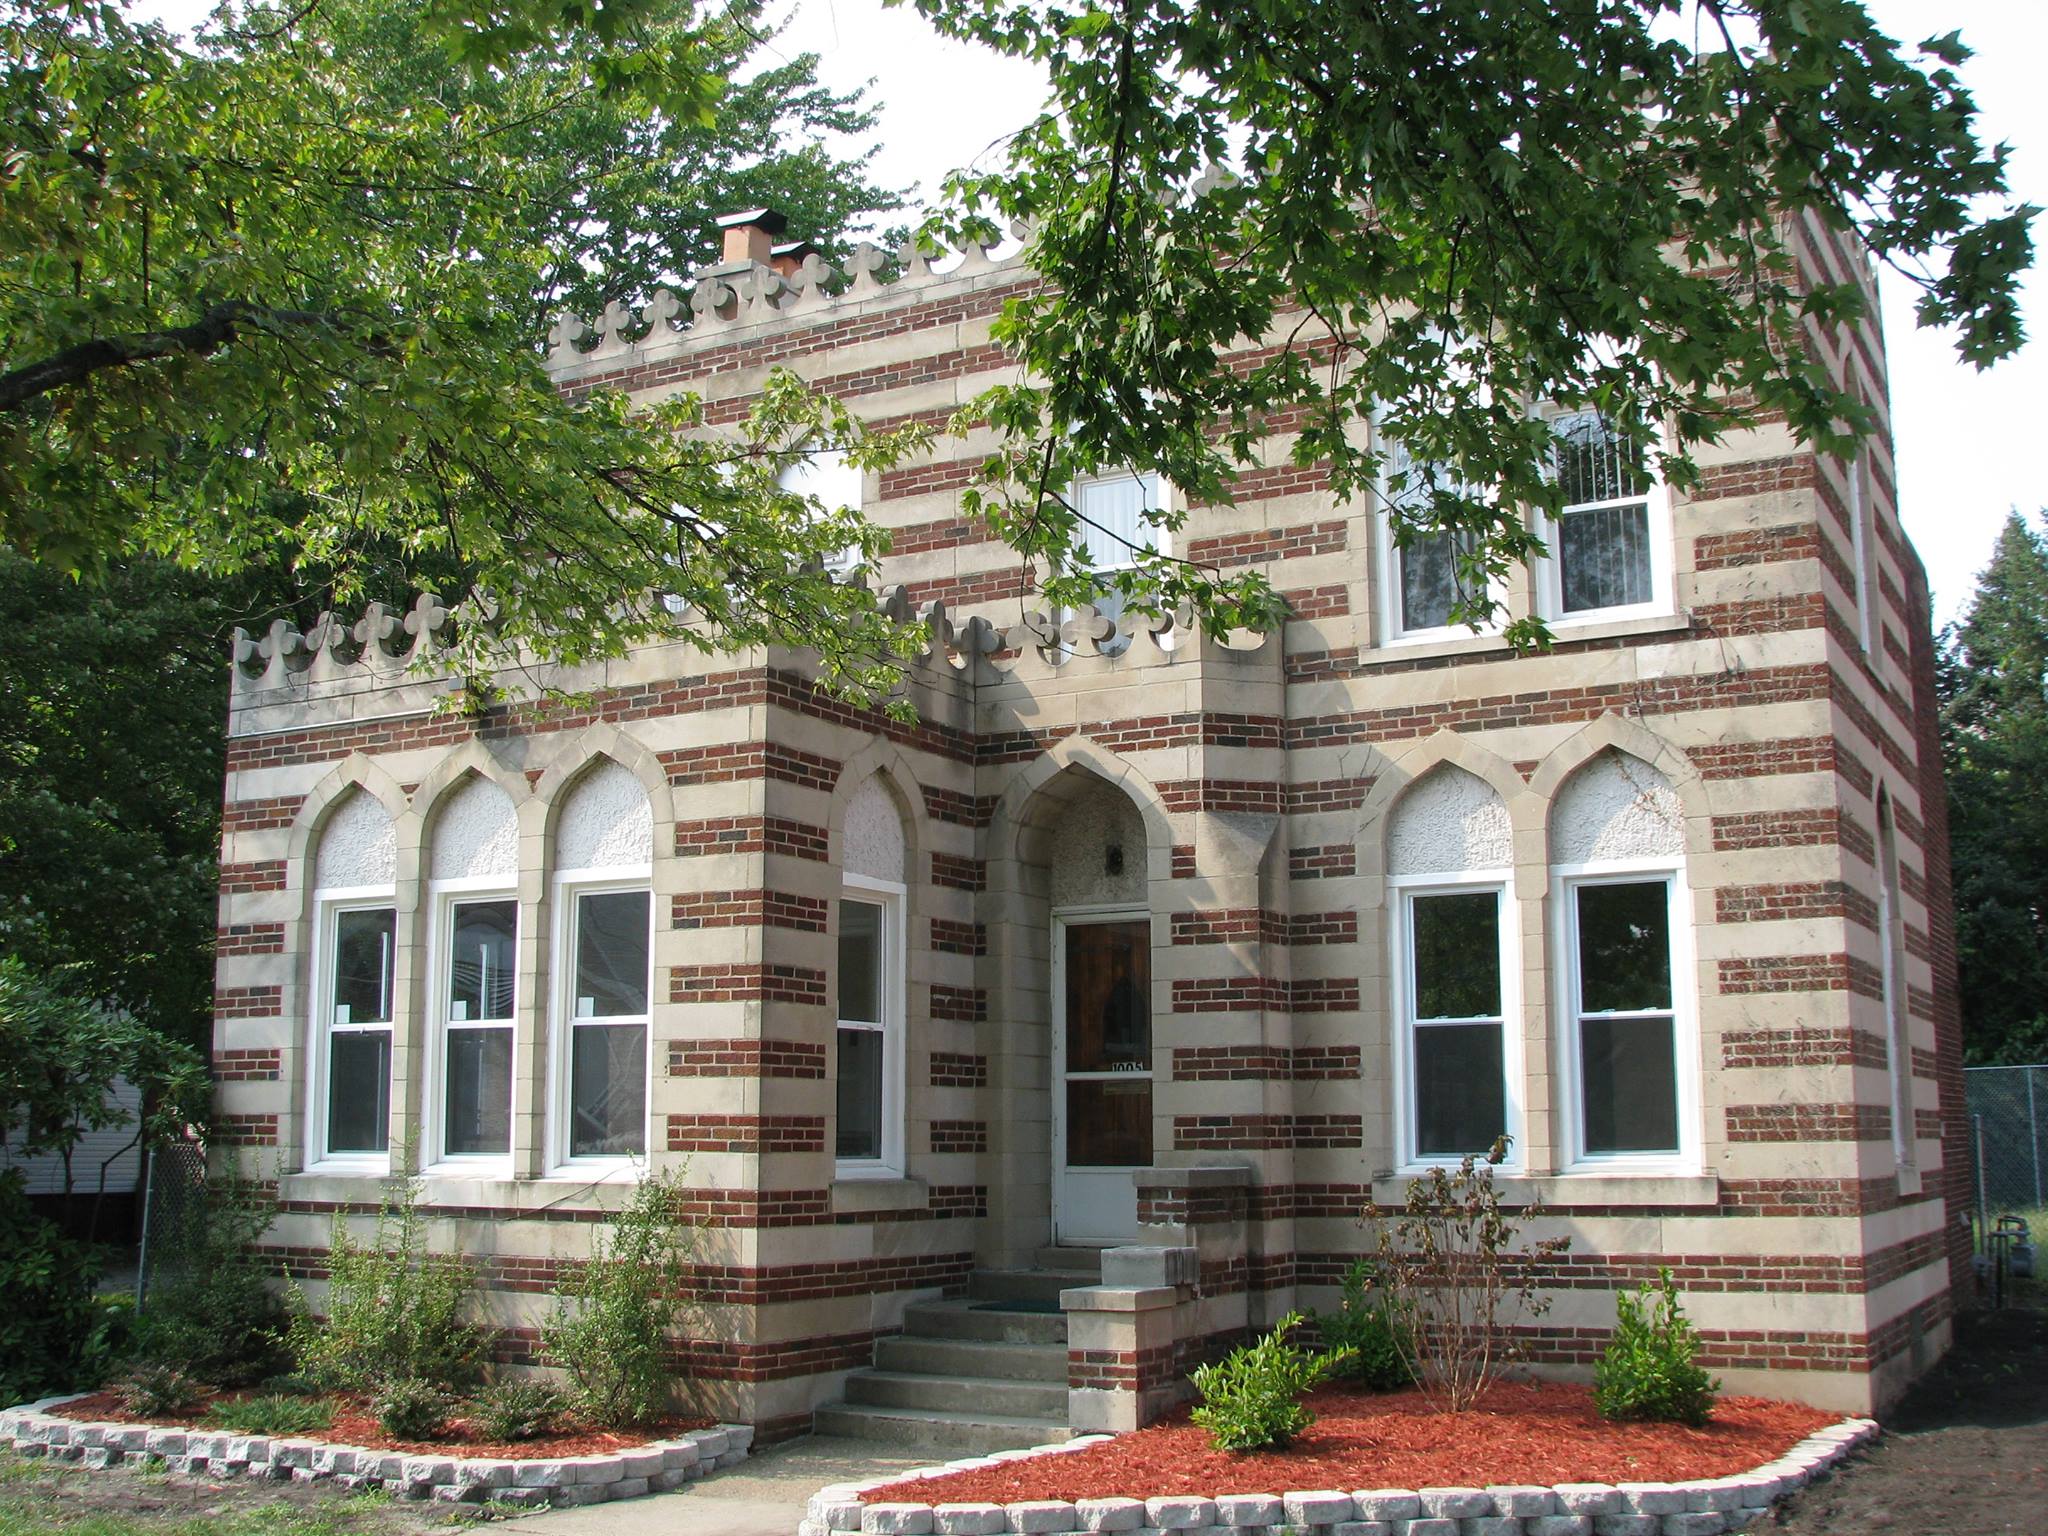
1428, 576
604, 919
355, 985
1449, 852
1610, 545
1113, 529
826, 476
1631, 1087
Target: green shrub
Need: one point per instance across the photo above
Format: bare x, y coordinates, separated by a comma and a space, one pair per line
1251, 1400
411, 1409
47, 1313
1368, 1327
159, 1391
516, 1410
273, 1414
395, 1312
217, 1315
1648, 1370
296, 1384
609, 1328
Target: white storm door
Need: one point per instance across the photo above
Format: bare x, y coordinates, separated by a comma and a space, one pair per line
1101, 1074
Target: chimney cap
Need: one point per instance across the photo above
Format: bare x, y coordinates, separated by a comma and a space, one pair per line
767, 219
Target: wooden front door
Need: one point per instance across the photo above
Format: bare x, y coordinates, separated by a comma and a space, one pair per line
1102, 1074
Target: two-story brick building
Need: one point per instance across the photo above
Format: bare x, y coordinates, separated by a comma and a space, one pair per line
1136, 938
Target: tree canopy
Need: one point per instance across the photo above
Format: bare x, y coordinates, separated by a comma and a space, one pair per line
1994, 697
279, 291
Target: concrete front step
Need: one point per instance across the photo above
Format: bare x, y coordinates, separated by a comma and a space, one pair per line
973, 1434
958, 1394
1033, 1285
1077, 1261
963, 1320
970, 1357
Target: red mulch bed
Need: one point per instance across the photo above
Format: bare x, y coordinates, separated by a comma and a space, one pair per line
1524, 1432
354, 1424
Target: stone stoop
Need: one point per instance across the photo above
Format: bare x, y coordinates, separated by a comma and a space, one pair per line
976, 1375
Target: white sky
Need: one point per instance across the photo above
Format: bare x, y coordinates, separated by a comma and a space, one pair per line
1965, 445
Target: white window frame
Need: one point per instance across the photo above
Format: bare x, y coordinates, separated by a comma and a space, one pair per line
1392, 630
1566, 881
444, 897
328, 905
891, 896
1550, 567
1158, 494
569, 888
1404, 889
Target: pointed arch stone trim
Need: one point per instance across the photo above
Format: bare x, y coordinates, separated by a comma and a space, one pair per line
1404, 769
1613, 732
352, 773
1079, 752
576, 755
881, 756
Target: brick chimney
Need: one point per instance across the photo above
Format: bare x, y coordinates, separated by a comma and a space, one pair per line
750, 235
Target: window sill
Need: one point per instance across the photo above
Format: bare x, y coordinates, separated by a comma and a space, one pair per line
1398, 652
1584, 1186
860, 1192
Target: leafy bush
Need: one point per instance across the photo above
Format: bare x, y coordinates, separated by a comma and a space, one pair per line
1251, 1400
47, 1312
1458, 1275
1648, 1370
609, 1328
410, 1409
159, 1391
395, 1312
296, 1384
517, 1410
1368, 1329
272, 1414
217, 1315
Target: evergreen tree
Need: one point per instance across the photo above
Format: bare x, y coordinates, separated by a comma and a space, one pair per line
1994, 696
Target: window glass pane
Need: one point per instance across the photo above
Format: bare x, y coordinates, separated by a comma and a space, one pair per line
1604, 557
608, 1090
1109, 1123
860, 961
1112, 519
480, 965
860, 1093
1457, 955
1430, 584
1625, 947
1460, 1089
611, 954
1109, 997
1593, 461
1629, 1081
358, 1090
479, 1092
363, 943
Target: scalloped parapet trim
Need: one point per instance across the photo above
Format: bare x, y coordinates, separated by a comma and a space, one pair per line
387, 646
730, 296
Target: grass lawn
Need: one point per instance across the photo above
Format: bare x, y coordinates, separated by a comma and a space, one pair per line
38, 1497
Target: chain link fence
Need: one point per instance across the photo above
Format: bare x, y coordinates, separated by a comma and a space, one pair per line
173, 1196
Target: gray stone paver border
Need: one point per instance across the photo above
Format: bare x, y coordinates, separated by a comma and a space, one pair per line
551, 1482
1709, 1507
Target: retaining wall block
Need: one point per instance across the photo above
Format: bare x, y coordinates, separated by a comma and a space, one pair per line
1652, 1498
93, 1457
1490, 1525
1456, 1503
1522, 1500
1038, 1516
538, 1474
1558, 1525
1124, 1514
969, 1519
1362, 1528
1180, 1514
574, 1495
592, 1470
896, 1519
1388, 1504
1720, 1493
1428, 1525
643, 1463
712, 1442
678, 1454
626, 1488
1705, 1522
1588, 1499
1319, 1506
666, 1481
1254, 1509
1628, 1525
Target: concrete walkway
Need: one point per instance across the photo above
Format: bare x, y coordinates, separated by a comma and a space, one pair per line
763, 1496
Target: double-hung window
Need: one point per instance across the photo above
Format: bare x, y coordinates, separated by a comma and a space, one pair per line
1113, 529
477, 993
352, 1113
1429, 574
869, 1038
1630, 1066
1455, 960
609, 941
1610, 546
829, 479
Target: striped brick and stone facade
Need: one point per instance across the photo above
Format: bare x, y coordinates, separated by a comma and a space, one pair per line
1782, 690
